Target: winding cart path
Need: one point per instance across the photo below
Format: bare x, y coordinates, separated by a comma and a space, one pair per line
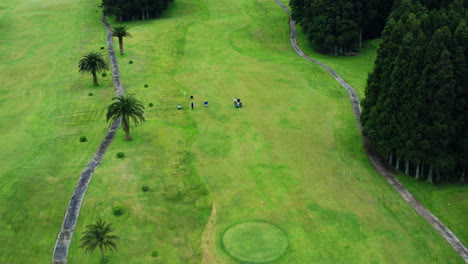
377, 161
73, 211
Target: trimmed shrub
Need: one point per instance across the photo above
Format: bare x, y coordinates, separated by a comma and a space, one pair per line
145, 188
146, 85
118, 211
120, 155
150, 104
130, 61
102, 48
104, 74
90, 94
83, 139
154, 253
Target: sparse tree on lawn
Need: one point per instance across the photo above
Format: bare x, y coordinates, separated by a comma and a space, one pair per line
127, 107
121, 32
98, 236
93, 63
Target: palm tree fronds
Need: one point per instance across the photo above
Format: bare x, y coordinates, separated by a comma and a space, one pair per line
97, 236
92, 62
121, 31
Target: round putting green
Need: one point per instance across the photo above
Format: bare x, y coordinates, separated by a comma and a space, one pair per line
255, 242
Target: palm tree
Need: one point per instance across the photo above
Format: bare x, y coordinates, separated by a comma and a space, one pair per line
98, 236
127, 107
121, 32
93, 63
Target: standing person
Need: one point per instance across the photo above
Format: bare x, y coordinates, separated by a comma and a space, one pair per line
235, 101
179, 107
191, 97
206, 104
191, 105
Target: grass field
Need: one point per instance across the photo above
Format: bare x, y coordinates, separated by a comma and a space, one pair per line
448, 202
291, 156
44, 109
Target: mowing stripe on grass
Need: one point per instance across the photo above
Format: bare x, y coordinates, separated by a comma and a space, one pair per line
73, 211
376, 160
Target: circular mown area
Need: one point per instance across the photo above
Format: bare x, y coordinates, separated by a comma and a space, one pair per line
255, 242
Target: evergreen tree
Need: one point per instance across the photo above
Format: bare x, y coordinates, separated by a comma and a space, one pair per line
135, 9
416, 98
338, 26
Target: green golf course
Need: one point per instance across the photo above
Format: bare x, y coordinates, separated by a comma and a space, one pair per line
289, 164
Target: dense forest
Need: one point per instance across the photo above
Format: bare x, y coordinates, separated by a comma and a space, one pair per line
135, 9
339, 26
416, 106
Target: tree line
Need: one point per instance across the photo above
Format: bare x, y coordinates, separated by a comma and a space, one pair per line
339, 26
415, 109
125, 10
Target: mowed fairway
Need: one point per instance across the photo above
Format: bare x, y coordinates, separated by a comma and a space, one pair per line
291, 157
44, 109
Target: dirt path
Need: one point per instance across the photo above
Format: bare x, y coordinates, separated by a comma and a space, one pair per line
209, 239
377, 161
73, 211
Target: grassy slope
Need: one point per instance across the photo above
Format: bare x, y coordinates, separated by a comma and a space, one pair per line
44, 108
171, 217
293, 146
449, 202
435, 198
354, 69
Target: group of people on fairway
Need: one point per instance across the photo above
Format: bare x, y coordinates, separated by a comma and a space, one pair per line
237, 103
192, 104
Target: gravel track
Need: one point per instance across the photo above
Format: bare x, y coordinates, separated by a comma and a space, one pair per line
73, 211
379, 163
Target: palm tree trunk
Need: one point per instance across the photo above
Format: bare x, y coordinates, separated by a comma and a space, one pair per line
127, 135
102, 253
398, 163
121, 45
390, 159
407, 167
95, 79
126, 124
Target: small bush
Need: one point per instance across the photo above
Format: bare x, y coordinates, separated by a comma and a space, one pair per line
146, 85
120, 155
154, 253
104, 74
150, 104
130, 61
117, 211
102, 48
145, 188
83, 139
90, 94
